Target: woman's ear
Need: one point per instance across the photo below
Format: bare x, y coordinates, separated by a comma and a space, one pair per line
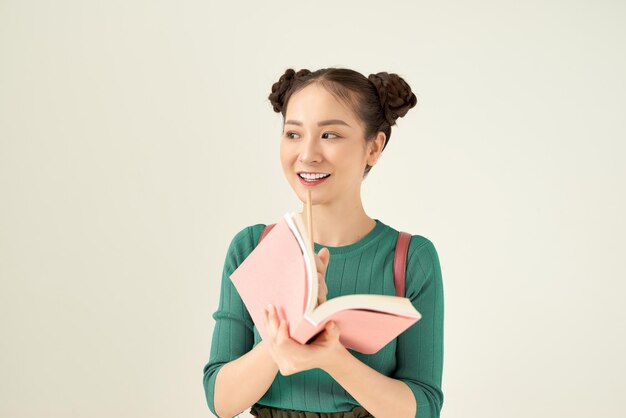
375, 147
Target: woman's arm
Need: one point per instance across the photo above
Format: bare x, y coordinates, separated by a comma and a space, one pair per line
414, 389
380, 395
419, 349
237, 373
242, 382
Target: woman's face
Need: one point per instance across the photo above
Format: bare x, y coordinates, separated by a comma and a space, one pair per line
322, 135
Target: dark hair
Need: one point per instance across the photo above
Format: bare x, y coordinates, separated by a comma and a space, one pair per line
377, 100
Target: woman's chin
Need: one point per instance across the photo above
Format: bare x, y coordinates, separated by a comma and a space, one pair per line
315, 197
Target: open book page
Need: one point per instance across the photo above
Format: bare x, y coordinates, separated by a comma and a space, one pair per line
314, 314
296, 224
392, 305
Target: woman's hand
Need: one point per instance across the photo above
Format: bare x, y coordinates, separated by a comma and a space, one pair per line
293, 357
321, 263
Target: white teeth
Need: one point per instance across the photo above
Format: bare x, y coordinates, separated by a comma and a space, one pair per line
313, 176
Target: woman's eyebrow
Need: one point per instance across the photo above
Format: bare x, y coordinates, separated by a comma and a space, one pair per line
321, 123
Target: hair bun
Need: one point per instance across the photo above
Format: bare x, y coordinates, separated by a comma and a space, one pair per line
396, 97
282, 86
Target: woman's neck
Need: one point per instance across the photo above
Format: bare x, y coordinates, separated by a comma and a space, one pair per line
337, 228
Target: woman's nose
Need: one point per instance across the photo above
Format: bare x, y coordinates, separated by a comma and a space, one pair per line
310, 151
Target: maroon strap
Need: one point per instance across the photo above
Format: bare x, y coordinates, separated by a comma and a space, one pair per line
267, 229
399, 261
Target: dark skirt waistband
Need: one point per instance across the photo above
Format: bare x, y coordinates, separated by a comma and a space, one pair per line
263, 411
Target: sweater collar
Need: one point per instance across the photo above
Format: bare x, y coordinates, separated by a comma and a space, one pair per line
358, 245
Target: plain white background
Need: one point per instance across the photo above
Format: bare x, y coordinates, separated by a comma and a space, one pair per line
136, 139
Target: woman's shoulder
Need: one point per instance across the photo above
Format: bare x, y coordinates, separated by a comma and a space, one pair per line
423, 263
248, 236
420, 242
417, 240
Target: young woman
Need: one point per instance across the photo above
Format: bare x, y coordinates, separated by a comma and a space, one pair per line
336, 123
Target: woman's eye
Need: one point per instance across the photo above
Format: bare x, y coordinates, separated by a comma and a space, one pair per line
293, 135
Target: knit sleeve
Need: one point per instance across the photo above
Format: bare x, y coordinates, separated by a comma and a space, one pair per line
420, 348
233, 332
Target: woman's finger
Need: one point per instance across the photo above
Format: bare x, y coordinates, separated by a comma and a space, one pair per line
322, 292
270, 320
321, 261
282, 330
324, 257
321, 264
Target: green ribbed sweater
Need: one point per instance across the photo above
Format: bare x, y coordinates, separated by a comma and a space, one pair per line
366, 266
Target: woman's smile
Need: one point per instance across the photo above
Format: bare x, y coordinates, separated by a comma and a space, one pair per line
312, 179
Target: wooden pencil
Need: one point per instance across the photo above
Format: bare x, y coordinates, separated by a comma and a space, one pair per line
309, 219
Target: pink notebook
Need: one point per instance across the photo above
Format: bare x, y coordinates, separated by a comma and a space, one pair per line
279, 271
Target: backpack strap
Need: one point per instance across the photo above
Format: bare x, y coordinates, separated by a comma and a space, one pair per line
399, 262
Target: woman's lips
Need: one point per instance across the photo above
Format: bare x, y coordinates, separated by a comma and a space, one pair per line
314, 182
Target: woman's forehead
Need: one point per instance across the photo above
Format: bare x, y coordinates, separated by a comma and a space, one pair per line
315, 103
